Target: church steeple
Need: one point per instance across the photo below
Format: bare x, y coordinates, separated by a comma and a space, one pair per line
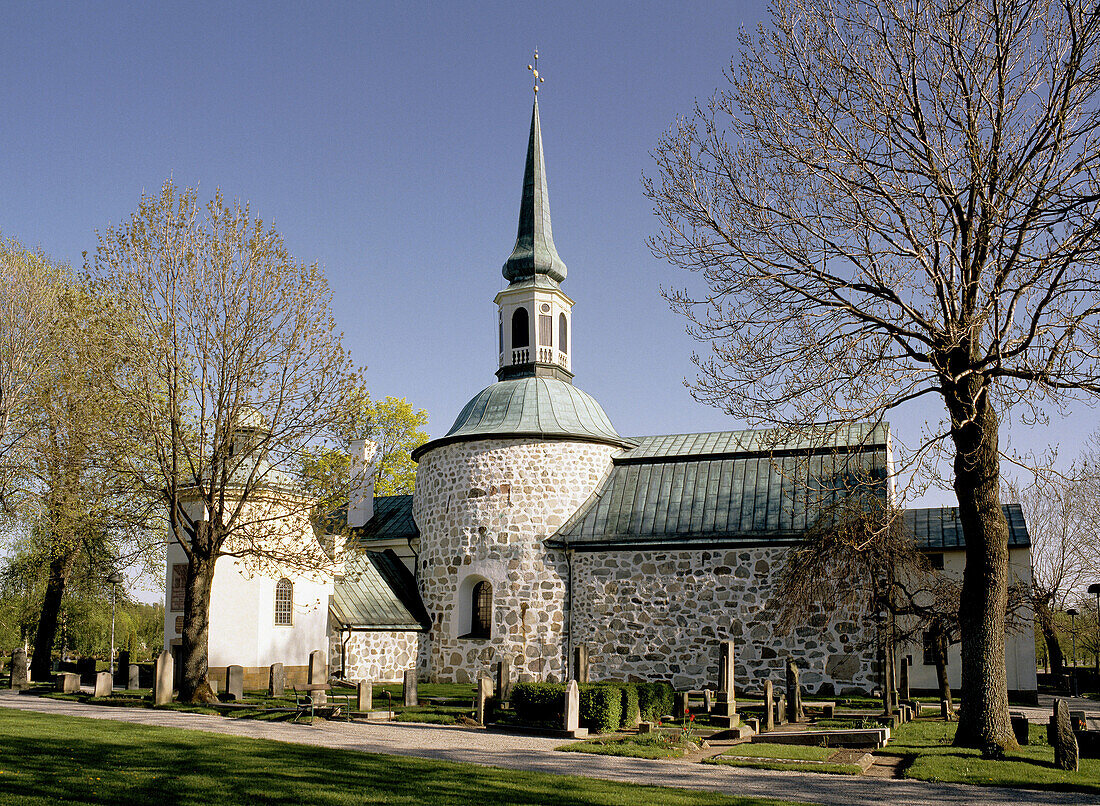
535, 315
534, 252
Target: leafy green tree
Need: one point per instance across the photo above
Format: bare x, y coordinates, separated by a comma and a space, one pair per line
237, 367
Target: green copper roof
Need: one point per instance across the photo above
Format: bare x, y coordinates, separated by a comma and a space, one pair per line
377, 592
725, 488
543, 408
939, 528
534, 252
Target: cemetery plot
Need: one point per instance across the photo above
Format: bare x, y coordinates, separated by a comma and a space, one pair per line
761, 755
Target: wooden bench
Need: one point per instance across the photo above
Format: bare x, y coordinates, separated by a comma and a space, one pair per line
305, 702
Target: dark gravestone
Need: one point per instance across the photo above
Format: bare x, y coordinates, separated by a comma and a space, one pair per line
580, 663
19, 678
769, 706
681, 704
1060, 734
504, 681
85, 667
276, 680
409, 688
1020, 728
794, 694
133, 677
234, 682
122, 669
903, 689
725, 710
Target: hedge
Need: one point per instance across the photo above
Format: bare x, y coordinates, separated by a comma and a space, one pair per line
601, 707
539, 703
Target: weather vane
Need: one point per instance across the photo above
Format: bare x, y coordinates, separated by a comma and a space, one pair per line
534, 68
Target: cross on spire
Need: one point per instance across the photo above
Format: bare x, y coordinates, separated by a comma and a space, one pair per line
534, 68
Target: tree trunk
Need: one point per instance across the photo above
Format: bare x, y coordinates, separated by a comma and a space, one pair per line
983, 716
194, 685
938, 639
1050, 638
46, 634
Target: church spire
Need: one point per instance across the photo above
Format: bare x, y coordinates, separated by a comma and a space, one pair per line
534, 252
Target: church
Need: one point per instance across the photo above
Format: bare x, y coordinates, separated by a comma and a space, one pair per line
535, 527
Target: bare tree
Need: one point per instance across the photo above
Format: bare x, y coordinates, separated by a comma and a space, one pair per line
1057, 508
895, 200
237, 366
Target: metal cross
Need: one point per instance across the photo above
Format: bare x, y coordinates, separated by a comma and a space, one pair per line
534, 68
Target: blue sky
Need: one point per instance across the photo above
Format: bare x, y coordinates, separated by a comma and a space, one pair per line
386, 142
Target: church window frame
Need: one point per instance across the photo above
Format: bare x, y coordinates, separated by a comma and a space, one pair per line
284, 603
563, 333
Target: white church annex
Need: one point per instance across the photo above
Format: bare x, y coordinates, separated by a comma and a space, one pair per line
535, 527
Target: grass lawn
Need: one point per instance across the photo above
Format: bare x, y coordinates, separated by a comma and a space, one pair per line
649, 745
48, 759
789, 754
930, 757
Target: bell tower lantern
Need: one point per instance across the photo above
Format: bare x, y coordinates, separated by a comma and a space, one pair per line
534, 316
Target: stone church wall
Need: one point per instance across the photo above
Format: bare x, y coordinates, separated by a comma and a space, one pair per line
658, 615
377, 656
483, 508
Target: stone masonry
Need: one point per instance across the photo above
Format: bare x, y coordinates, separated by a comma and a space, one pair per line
379, 656
483, 508
655, 615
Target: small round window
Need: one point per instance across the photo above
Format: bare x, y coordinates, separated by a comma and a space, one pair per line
545, 308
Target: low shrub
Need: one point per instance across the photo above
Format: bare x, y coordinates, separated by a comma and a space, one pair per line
630, 712
601, 707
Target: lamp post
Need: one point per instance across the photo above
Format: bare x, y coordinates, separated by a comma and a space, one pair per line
1073, 614
114, 579
1094, 589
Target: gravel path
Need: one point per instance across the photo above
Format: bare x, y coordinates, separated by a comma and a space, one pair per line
537, 754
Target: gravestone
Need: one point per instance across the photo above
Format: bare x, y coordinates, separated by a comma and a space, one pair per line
234, 682
945, 710
572, 706
19, 679
103, 685
794, 694
484, 693
681, 704
409, 688
708, 700
580, 663
754, 724
504, 681
781, 709
133, 677
276, 680
122, 668
68, 683
85, 667
769, 706
1021, 728
903, 689
725, 709
164, 678
645, 727
364, 696
1060, 734
318, 674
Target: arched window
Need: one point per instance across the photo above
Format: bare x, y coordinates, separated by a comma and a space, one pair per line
521, 329
481, 611
563, 333
284, 603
